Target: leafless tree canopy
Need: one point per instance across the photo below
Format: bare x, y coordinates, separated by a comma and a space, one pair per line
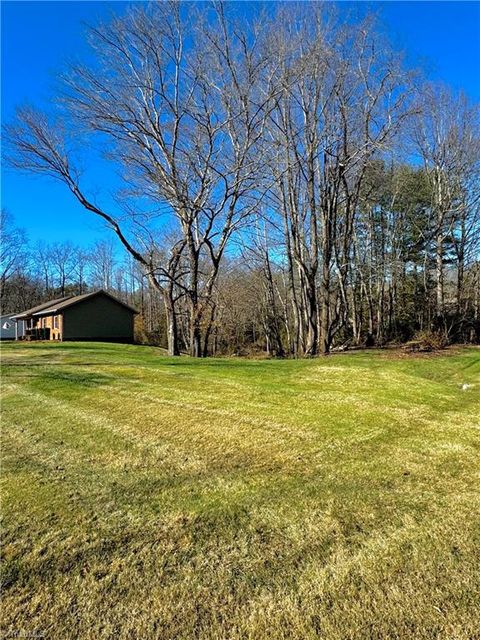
13, 244
291, 159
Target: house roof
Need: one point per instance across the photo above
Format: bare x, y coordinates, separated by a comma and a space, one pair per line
39, 307
55, 306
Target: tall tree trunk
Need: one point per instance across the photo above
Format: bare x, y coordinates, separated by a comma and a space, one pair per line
172, 331
195, 335
439, 277
325, 325
311, 308
208, 330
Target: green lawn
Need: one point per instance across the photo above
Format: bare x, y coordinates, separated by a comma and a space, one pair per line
151, 497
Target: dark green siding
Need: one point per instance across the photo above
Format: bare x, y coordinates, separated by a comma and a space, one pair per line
98, 318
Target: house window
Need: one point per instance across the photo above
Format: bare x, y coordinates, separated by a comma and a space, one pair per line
55, 322
6, 325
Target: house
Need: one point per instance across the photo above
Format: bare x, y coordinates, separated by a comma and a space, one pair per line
8, 326
91, 316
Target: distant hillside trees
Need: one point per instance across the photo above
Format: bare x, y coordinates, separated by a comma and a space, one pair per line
286, 184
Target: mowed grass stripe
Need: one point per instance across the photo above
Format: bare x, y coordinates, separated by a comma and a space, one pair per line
213, 439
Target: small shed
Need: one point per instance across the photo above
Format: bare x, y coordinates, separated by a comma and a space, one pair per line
95, 316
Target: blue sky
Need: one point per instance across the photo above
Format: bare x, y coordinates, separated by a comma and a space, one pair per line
38, 36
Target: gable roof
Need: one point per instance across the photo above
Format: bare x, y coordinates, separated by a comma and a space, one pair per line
55, 306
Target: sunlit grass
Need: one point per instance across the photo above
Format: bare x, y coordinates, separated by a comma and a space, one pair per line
148, 497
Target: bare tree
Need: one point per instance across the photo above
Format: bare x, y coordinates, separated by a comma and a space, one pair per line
80, 269
343, 101
62, 257
13, 249
103, 264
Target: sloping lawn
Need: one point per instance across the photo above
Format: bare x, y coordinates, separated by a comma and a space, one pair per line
151, 497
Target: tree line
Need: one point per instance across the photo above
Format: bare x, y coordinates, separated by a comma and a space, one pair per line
286, 182
33, 273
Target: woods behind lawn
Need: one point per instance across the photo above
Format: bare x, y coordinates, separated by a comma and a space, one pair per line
148, 497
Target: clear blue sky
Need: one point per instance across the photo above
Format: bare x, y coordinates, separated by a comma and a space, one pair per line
38, 36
